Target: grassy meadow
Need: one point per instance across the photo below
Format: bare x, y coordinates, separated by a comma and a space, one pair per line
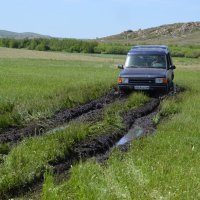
30, 159
162, 166
33, 87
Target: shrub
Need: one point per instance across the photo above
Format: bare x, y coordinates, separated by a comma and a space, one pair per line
42, 47
33, 44
83, 46
14, 44
192, 54
177, 53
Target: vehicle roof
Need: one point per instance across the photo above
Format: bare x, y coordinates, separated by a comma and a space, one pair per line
149, 49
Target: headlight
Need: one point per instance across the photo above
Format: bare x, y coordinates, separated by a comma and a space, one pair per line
122, 80
160, 80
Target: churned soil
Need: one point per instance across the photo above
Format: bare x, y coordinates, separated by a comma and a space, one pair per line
97, 146
88, 111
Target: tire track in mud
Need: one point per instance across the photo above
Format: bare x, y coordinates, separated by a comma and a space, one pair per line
101, 145
40, 127
98, 146
93, 146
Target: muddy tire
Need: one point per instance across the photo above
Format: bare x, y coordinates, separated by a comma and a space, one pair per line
123, 91
167, 88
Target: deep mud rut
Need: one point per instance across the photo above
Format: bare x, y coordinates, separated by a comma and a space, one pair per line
90, 111
98, 146
95, 146
137, 122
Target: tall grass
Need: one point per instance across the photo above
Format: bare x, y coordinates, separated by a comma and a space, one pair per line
33, 88
30, 159
189, 51
163, 166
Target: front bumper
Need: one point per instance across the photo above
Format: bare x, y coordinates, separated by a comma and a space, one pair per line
143, 87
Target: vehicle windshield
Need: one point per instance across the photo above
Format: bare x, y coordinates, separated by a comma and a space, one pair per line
146, 61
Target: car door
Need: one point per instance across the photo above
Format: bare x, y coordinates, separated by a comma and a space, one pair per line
170, 72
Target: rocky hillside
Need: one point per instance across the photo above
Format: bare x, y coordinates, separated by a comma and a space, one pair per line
10, 34
171, 33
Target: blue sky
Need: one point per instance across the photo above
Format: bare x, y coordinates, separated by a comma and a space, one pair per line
93, 18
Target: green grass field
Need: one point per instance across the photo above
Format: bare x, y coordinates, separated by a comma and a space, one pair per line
30, 159
35, 88
162, 166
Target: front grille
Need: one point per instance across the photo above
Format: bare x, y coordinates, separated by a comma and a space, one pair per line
139, 81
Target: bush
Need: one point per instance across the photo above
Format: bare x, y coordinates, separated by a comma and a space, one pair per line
33, 44
83, 46
5, 42
42, 47
177, 53
112, 49
192, 54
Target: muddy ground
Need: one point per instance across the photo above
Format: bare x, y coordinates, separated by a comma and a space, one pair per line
15, 134
98, 146
137, 122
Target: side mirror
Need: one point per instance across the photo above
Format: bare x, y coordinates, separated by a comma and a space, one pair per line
120, 66
172, 67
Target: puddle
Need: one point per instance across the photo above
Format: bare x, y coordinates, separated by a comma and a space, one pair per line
57, 129
133, 133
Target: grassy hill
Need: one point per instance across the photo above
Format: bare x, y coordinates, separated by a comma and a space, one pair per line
10, 34
182, 38
178, 33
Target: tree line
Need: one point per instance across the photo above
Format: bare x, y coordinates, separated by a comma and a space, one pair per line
89, 46
66, 45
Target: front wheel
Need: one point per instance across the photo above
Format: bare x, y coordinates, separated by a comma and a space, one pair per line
123, 91
167, 88
170, 87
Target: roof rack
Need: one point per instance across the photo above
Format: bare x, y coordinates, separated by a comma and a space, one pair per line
151, 46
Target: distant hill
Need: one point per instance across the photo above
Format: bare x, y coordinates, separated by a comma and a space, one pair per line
178, 33
10, 34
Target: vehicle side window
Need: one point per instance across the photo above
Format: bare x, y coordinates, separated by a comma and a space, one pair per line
170, 58
169, 62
